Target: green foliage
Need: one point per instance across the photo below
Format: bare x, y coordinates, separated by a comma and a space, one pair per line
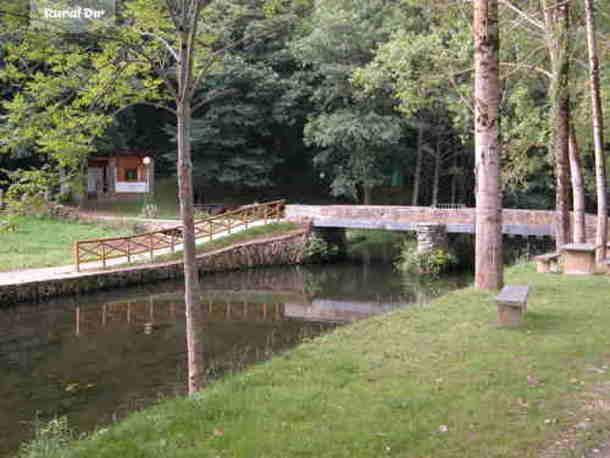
9, 222
319, 250
50, 439
234, 139
355, 136
431, 264
150, 209
26, 195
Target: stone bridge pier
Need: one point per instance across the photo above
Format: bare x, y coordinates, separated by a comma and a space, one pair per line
431, 237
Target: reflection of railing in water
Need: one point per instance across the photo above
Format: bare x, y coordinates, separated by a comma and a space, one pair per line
151, 314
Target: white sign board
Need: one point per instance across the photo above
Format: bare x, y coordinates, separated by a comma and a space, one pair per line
134, 186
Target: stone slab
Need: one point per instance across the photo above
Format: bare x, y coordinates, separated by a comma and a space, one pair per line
513, 295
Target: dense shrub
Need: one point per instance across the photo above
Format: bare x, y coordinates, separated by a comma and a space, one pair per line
432, 263
319, 250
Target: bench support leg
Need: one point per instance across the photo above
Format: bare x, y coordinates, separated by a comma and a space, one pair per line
510, 315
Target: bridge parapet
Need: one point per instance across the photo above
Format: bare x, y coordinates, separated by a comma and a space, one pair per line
405, 218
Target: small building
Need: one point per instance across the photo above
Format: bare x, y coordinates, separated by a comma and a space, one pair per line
124, 174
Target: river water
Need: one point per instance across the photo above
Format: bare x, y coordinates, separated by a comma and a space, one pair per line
95, 358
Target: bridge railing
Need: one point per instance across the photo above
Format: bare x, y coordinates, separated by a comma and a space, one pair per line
450, 206
105, 249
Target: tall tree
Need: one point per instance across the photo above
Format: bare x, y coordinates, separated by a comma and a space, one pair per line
185, 15
488, 250
601, 238
578, 191
557, 32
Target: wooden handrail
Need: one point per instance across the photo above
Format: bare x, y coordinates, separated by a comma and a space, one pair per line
93, 250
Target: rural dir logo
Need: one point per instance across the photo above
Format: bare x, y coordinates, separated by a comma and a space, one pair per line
71, 16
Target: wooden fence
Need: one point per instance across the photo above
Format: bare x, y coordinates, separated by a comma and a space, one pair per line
86, 251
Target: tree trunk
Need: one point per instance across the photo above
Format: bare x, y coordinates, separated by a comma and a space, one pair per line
191, 274
557, 23
437, 170
84, 184
418, 162
192, 298
454, 180
489, 267
368, 194
578, 191
601, 236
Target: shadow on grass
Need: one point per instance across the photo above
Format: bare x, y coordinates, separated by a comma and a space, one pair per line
542, 321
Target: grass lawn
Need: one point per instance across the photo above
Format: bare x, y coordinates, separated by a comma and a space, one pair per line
47, 242
439, 381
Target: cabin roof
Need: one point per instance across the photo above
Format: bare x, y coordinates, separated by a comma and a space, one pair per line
121, 153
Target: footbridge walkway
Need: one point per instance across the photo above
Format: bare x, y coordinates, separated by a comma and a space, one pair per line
526, 223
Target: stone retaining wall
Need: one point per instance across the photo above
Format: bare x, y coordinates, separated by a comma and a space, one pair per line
282, 250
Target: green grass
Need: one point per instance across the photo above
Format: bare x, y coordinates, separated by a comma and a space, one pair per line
440, 381
374, 241
47, 242
258, 232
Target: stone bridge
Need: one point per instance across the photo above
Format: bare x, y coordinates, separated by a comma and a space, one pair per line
525, 223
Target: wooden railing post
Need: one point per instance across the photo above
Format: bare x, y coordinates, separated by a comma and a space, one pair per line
77, 255
113, 247
152, 249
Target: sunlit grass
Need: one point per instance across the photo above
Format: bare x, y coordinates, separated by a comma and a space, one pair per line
439, 381
40, 242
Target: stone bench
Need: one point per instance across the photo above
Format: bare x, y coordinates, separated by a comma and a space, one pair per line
579, 259
548, 262
512, 303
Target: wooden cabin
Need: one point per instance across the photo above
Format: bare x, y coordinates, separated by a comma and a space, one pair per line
124, 174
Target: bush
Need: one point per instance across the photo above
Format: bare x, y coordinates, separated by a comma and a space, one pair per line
9, 223
26, 195
431, 264
49, 439
319, 250
27, 205
150, 209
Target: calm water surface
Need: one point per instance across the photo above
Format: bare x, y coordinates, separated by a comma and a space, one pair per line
96, 358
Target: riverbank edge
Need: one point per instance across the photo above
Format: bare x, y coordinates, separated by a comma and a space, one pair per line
438, 381
286, 249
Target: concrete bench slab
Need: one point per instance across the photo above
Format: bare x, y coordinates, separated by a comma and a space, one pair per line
512, 303
548, 262
579, 259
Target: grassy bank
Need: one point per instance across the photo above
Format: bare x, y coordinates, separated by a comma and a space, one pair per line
40, 242
254, 233
246, 235
439, 381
